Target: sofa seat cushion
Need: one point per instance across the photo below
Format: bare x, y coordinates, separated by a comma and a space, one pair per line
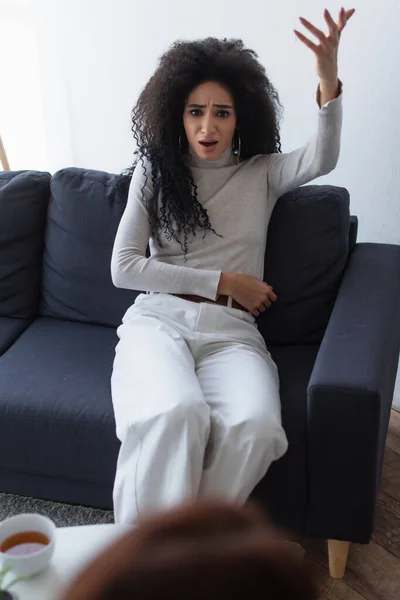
284, 488
10, 330
56, 415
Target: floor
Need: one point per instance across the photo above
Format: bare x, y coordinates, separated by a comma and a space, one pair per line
373, 571
63, 515
396, 395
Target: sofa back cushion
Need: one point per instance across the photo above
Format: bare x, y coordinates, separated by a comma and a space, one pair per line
81, 227
24, 197
307, 251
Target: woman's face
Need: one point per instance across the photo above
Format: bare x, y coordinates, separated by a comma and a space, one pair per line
209, 119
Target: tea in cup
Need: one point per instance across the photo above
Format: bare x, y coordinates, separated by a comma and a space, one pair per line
26, 543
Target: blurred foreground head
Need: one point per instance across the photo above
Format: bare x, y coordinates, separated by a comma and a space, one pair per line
203, 551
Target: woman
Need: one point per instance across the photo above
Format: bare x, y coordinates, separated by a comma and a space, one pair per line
194, 388
206, 550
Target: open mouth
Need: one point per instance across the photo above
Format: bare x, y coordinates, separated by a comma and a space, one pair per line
208, 144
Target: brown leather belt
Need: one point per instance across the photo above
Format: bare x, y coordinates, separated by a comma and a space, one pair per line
220, 300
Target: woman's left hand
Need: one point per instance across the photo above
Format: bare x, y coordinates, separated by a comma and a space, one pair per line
326, 51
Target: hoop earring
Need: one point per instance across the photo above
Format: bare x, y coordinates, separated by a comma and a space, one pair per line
237, 151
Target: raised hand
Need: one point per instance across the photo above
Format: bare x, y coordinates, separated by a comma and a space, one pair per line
326, 52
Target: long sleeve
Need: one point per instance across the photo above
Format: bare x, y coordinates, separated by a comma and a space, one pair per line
318, 157
131, 269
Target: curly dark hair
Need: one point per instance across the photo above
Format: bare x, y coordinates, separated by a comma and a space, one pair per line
157, 126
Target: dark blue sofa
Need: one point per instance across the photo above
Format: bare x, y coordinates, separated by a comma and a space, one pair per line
334, 333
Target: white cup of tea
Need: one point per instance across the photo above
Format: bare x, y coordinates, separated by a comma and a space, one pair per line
26, 543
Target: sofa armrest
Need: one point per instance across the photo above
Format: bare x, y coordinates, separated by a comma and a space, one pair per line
350, 394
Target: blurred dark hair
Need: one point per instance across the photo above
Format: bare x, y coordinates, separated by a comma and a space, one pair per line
204, 551
157, 125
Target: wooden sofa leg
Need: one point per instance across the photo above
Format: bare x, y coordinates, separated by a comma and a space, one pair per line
337, 551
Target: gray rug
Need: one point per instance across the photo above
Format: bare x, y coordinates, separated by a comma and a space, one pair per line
63, 515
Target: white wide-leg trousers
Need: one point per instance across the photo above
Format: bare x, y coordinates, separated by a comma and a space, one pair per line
196, 402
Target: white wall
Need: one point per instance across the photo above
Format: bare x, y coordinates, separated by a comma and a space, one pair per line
22, 123
94, 56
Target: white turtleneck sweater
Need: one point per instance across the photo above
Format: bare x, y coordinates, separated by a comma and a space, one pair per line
239, 200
